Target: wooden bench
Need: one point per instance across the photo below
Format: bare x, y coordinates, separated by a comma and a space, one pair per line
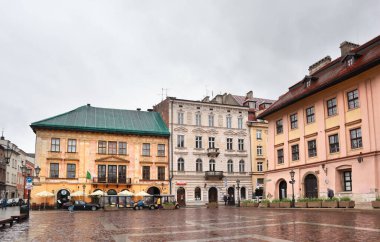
6, 221
20, 217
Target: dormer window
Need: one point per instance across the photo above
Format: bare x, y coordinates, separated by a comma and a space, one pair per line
350, 58
307, 83
307, 80
350, 61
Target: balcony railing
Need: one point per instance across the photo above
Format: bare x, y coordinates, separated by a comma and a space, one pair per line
213, 175
115, 180
213, 152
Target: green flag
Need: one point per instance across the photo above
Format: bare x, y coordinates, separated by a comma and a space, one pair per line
88, 175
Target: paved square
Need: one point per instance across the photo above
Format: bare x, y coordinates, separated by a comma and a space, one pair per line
199, 224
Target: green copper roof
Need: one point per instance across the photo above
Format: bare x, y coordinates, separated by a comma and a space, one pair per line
88, 118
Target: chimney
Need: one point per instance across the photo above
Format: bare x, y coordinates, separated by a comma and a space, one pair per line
206, 99
149, 110
249, 95
88, 105
346, 47
319, 64
138, 109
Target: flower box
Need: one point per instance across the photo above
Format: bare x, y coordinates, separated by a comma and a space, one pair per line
263, 205
329, 204
346, 204
300, 204
168, 206
285, 204
274, 205
314, 204
376, 204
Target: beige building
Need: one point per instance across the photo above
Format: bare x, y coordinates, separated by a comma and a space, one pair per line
89, 149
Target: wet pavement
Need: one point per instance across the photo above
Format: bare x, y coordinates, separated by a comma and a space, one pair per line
199, 224
9, 211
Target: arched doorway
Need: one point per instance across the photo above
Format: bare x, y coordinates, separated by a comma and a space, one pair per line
62, 197
153, 191
243, 193
181, 196
212, 195
282, 189
112, 200
311, 186
231, 196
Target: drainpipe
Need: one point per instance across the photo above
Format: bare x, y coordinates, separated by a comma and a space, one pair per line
171, 148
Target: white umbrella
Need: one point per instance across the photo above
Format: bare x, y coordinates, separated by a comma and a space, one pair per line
77, 194
45, 194
125, 193
142, 194
98, 193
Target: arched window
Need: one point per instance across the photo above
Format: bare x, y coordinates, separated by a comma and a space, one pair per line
181, 164
230, 166
241, 166
199, 166
197, 193
212, 165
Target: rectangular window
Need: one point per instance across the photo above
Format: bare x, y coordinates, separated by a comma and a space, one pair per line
198, 142
102, 147
146, 172
198, 119
259, 150
54, 170
312, 148
112, 147
353, 99
180, 118
71, 170
241, 144
259, 166
161, 173
280, 156
229, 144
258, 134
334, 143
122, 174
211, 142
331, 107
199, 165
240, 123
356, 138
310, 118
229, 122
293, 121
279, 127
146, 149
71, 145
347, 180
122, 148
55, 145
112, 174
211, 120
161, 150
295, 152
102, 173
180, 141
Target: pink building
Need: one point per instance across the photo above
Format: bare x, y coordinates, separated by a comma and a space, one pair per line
327, 129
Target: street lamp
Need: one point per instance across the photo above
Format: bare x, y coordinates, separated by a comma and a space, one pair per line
238, 191
84, 187
9, 149
292, 181
27, 173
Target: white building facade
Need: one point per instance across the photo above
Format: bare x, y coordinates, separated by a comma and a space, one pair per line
210, 150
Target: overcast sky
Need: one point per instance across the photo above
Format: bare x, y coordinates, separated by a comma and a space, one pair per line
58, 55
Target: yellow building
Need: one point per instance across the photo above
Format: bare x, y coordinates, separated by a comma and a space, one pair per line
90, 149
258, 130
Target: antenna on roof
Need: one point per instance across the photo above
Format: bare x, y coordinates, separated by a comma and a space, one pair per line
162, 93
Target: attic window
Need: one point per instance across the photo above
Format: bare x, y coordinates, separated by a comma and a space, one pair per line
307, 83
350, 61
180, 106
198, 107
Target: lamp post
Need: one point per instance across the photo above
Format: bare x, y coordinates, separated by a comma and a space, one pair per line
292, 181
238, 191
27, 172
84, 187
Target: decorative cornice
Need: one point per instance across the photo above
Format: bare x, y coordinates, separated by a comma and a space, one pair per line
332, 129
353, 122
112, 158
311, 135
293, 140
181, 129
278, 145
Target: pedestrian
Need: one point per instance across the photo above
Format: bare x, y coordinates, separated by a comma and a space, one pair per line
225, 200
5, 203
330, 193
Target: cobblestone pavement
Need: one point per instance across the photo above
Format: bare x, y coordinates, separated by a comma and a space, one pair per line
199, 224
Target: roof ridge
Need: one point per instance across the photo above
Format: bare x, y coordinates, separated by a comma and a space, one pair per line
59, 115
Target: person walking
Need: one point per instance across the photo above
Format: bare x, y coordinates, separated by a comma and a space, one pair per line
225, 199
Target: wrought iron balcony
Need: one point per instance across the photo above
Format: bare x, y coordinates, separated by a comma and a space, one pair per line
112, 180
213, 175
213, 152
